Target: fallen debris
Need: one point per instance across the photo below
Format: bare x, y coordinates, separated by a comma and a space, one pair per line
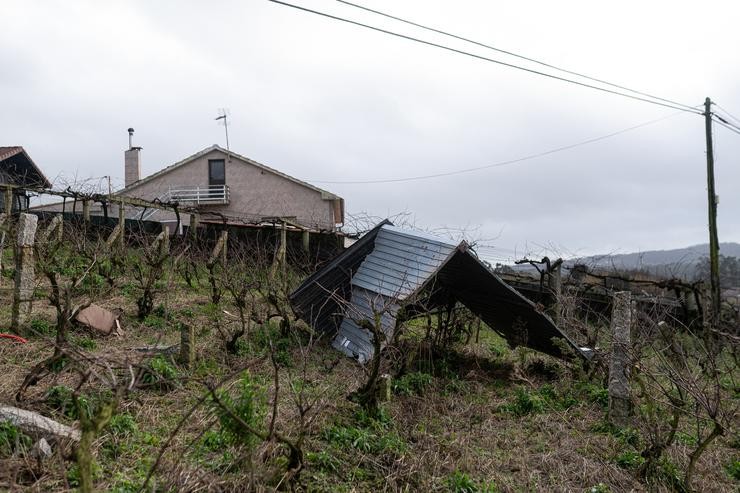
41, 449
159, 349
37, 426
99, 319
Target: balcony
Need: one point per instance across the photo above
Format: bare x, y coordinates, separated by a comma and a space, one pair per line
199, 195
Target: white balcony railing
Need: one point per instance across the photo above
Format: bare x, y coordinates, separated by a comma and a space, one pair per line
211, 194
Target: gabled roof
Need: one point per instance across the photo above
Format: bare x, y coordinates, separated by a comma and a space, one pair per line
392, 267
23, 166
216, 147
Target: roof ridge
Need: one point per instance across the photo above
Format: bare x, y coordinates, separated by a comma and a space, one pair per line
216, 147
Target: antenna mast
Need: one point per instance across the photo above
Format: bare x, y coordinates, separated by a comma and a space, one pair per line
223, 114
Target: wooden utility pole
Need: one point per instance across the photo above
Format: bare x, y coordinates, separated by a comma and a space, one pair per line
712, 198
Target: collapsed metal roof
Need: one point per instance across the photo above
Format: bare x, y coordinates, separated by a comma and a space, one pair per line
390, 267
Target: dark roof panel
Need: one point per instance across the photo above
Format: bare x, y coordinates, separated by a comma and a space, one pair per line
16, 161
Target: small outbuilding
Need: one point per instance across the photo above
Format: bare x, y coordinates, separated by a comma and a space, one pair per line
390, 268
18, 170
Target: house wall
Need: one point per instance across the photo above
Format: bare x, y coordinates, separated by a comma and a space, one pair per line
254, 192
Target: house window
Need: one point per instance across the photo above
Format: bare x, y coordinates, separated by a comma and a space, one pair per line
216, 173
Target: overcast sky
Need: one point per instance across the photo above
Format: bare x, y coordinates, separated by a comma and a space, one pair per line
326, 101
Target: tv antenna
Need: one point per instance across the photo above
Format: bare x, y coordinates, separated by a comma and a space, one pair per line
223, 118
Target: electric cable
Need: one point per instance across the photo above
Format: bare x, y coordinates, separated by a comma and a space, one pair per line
724, 123
733, 117
501, 163
480, 57
507, 52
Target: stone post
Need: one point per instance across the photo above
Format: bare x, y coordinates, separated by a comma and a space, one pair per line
194, 220
187, 345
25, 278
122, 225
164, 246
555, 285
306, 240
620, 404
8, 200
86, 210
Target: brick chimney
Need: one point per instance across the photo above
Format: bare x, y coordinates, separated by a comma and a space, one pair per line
132, 169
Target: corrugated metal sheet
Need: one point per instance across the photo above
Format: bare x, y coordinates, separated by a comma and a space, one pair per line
400, 263
318, 299
356, 341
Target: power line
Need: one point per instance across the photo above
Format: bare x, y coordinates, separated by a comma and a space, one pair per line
499, 164
727, 113
533, 60
479, 57
721, 121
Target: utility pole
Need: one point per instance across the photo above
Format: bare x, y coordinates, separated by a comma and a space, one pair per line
712, 198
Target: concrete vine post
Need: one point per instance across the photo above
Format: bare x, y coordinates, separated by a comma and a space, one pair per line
25, 276
620, 404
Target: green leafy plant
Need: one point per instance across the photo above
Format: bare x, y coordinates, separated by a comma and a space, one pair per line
85, 342
61, 399
733, 469
73, 474
323, 460
412, 384
365, 440
629, 460
12, 439
248, 404
122, 424
525, 402
460, 482
160, 373
41, 326
154, 322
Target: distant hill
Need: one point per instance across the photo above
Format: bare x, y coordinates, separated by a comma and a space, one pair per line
679, 262
679, 258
